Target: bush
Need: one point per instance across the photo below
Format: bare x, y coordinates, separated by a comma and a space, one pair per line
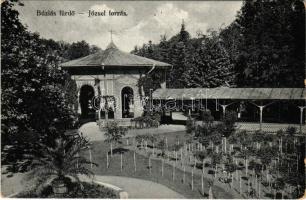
190, 125
229, 123
291, 130
148, 120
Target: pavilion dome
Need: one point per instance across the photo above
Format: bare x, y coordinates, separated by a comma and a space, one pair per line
112, 57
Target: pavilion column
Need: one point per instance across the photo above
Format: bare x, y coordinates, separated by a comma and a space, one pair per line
79, 105
301, 117
260, 116
223, 109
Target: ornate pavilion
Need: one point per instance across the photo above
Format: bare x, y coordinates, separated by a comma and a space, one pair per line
107, 83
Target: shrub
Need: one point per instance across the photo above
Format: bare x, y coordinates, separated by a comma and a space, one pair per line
190, 125
87, 190
229, 123
291, 130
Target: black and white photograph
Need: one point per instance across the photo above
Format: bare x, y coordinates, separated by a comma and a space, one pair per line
153, 99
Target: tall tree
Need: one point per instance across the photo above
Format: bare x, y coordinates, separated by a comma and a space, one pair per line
270, 43
34, 108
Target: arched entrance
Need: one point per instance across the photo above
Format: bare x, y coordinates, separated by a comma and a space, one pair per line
127, 100
86, 96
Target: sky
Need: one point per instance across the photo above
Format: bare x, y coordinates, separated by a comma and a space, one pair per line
146, 20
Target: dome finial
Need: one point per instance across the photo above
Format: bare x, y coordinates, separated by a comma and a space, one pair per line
111, 44
111, 34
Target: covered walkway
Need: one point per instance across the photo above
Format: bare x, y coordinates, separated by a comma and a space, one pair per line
260, 100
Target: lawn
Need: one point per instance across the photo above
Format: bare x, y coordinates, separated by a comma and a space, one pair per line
246, 165
99, 155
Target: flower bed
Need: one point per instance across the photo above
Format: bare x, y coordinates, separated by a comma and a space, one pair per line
74, 191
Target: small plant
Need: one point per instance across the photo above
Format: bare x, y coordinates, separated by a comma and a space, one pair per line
162, 146
59, 164
114, 133
190, 125
229, 123
291, 130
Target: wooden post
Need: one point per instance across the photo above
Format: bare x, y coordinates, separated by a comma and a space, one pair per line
173, 172
121, 162
248, 187
301, 118
202, 183
181, 155
134, 161
216, 171
246, 167
107, 161
260, 116
192, 179
184, 169
111, 146
149, 164
90, 157
203, 165
111, 149
77, 164
259, 189
240, 185
127, 141
153, 149
162, 169
166, 143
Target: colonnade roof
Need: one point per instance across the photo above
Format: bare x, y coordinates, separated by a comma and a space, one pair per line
231, 93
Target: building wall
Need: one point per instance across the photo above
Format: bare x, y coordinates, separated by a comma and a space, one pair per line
112, 84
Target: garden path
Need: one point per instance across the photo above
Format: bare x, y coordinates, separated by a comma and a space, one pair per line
138, 188
92, 132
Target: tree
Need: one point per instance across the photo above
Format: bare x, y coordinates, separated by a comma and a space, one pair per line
211, 65
268, 43
78, 50
113, 133
34, 108
60, 163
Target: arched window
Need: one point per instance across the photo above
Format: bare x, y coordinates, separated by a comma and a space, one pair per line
87, 94
127, 100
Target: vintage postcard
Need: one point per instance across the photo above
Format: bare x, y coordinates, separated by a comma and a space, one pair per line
153, 99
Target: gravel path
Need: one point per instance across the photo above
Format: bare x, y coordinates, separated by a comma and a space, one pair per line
138, 188
92, 132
